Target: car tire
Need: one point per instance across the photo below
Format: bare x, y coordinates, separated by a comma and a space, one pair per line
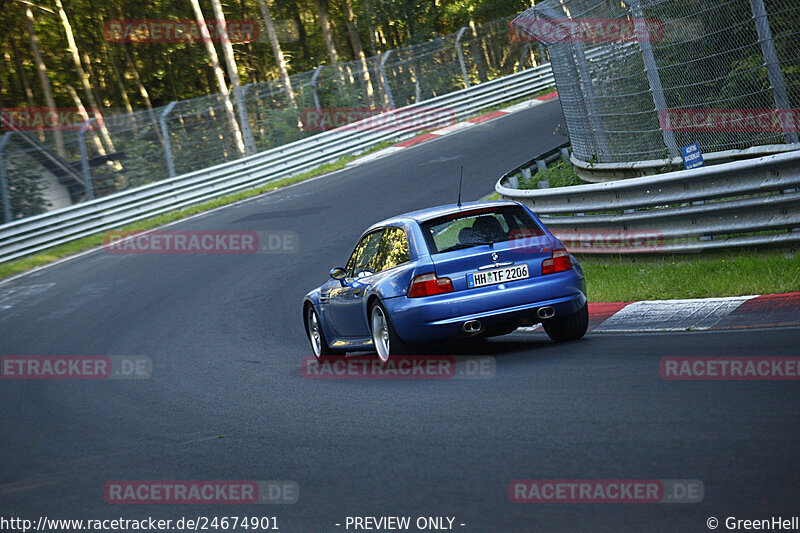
570, 327
384, 337
319, 344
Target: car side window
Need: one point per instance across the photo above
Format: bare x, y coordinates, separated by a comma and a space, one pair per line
363, 258
392, 250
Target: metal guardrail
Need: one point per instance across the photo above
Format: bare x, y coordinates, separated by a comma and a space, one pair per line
754, 202
33, 234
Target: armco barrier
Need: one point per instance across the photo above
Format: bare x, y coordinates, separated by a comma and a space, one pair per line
754, 202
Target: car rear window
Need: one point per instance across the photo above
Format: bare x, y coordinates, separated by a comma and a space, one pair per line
472, 228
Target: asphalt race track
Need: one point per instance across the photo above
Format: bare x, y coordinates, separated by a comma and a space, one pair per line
226, 399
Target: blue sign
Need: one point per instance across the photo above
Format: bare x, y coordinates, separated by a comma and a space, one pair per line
692, 156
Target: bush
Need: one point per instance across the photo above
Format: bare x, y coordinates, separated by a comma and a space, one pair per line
559, 174
26, 195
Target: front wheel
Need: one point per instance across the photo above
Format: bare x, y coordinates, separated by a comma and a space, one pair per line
568, 327
315, 334
384, 337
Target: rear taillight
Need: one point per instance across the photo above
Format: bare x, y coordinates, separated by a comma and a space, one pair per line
428, 285
558, 263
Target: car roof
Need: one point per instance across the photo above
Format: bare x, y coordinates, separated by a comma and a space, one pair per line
435, 212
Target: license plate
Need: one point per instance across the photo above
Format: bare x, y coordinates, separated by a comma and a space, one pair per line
498, 275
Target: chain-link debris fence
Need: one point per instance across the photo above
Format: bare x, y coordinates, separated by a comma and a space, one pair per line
722, 73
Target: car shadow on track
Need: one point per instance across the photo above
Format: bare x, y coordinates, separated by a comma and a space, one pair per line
503, 346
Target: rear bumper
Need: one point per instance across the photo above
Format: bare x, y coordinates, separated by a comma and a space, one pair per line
441, 317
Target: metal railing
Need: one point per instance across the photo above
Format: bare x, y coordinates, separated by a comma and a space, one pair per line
33, 234
753, 202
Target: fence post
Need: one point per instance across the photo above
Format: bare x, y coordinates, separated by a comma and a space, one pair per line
247, 135
376, 72
251, 137
544, 54
162, 119
87, 173
4, 180
522, 58
315, 92
386, 79
772, 63
651, 69
460, 53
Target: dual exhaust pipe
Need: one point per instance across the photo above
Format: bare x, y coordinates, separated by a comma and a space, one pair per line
474, 326
546, 312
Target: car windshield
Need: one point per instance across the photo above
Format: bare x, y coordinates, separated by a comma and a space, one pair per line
479, 227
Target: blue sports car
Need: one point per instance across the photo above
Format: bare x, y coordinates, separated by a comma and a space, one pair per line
477, 269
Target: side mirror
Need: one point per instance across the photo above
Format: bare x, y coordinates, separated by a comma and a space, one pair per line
338, 273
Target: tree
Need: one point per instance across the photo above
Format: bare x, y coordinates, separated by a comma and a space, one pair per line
277, 52
220, 77
369, 9
233, 72
22, 76
85, 116
355, 40
325, 24
41, 69
84, 77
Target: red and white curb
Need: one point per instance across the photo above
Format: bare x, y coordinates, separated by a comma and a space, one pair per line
701, 314
459, 126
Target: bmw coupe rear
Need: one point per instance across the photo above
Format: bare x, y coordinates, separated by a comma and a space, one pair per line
477, 270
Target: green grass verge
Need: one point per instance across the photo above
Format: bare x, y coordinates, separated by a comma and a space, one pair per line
625, 279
